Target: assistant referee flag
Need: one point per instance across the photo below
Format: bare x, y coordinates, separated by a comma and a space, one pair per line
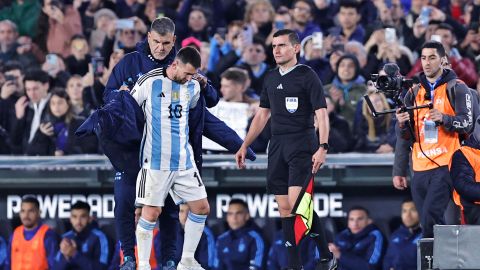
303, 209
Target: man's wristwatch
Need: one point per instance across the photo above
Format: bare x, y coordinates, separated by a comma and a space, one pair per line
325, 146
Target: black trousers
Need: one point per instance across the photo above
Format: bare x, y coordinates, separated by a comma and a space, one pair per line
431, 192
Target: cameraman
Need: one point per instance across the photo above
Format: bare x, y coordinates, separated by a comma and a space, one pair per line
436, 136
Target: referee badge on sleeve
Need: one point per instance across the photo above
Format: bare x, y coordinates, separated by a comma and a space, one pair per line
291, 103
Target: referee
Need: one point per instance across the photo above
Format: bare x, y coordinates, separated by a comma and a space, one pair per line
292, 96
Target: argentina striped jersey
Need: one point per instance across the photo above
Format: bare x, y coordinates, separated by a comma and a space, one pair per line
166, 105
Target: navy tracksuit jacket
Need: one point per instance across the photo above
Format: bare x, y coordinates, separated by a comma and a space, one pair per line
361, 251
240, 249
402, 249
277, 256
92, 251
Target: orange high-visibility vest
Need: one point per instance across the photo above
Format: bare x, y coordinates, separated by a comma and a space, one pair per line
448, 142
473, 157
29, 254
153, 258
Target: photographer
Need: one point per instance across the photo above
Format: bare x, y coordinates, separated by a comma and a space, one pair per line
436, 135
11, 90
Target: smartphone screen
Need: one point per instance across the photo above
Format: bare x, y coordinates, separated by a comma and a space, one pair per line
424, 16
248, 35
52, 59
317, 40
390, 35
98, 66
125, 24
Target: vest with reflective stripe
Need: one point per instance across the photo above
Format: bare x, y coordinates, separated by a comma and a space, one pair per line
472, 155
442, 151
29, 254
153, 258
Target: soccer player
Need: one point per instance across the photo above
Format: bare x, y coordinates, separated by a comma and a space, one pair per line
166, 96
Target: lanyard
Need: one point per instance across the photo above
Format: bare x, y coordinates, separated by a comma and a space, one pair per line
432, 88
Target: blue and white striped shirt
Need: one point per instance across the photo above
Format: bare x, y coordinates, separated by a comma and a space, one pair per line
166, 105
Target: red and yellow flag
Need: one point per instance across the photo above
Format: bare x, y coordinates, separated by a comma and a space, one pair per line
303, 210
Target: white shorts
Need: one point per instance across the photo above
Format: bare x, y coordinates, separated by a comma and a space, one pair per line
153, 186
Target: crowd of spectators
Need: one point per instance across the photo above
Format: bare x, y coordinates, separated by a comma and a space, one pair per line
57, 55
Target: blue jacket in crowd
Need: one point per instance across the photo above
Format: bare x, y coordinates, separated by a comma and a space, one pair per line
240, 249
92, 251
3, 253
277, 257
205, 253
402, 249
361, 251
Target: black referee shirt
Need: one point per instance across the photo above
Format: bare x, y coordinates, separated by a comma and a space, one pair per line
292, 98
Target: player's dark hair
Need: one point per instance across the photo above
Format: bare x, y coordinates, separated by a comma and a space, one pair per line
31, 199
189, 55
292, 35
240, 202
80, 205
358, 208
433, 44
163, 26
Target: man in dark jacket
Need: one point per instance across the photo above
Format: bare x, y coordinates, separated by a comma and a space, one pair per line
242, 247
465, 173
402, 249
83, 247
158, 51
361, 246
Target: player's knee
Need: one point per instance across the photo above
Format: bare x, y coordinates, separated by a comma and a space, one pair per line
151, 213
201, 208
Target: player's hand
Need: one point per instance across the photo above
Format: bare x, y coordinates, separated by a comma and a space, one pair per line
240, 157
400, 182
436, 116
318, 159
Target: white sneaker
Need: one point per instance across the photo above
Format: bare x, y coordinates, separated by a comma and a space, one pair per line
144, 266
189, 264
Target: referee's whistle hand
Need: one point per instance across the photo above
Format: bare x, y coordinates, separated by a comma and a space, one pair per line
240, 157
318, 159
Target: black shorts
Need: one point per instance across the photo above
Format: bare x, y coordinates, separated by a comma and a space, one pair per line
289, 161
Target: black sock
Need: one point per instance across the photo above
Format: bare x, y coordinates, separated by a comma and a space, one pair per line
317, 232
289, 236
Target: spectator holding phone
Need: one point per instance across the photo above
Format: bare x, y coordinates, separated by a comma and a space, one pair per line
282, 20
56, 133
11, 90
58, 23
77, 63
259, 15
55, 67
29, 110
